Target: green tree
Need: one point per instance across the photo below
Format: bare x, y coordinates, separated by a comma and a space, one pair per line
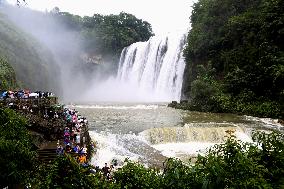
7, 75
114, 32
134, 175
243, 41
103, 37
18, 158
65, 172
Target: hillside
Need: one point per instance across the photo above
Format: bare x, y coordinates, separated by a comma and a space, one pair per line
7, 75
32, 63
85, 49
103, 37
235, 57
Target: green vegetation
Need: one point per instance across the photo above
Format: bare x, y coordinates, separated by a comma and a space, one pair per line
230, 165
135, 175
7, 76
65, 172
32, 63
233, 164
235, 57
18, 158
104, 37
114, 32
98, 42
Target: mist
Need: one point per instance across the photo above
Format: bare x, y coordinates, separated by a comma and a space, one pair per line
115, 90
150, 71
76, 74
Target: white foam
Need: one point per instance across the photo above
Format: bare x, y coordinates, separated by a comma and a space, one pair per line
118, 107
190, 148
243, 137
266, 122
109, 147
212, 124
193, 148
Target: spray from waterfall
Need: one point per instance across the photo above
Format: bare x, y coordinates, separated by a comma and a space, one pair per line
150, 71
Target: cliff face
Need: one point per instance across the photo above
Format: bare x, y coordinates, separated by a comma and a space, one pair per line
32, 63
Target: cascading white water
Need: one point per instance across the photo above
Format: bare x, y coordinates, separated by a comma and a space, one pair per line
154, 67
149, 133
150, 71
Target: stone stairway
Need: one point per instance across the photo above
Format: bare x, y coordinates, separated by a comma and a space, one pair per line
47, 153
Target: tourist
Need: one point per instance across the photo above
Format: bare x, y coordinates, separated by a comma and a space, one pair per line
111, 171
66, 140
76, 149
78, 138
68, 148
59, 150
82, 159
56, 115
105, 170
84, 149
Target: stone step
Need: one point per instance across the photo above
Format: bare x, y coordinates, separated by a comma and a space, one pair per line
47, 155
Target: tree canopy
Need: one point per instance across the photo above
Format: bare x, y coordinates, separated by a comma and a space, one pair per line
106, 34
240, 45
18, 158
7, 75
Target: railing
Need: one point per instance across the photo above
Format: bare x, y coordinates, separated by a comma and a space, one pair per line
31, 102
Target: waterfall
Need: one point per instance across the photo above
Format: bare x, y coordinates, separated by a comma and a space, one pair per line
193, 134
154, 68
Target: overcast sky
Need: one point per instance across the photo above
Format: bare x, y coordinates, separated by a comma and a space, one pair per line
164, 15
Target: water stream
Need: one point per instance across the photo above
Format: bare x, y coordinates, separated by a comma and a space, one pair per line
149, 133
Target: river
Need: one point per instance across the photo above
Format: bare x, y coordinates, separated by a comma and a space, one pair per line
149, 133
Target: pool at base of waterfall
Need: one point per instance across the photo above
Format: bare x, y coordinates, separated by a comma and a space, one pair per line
150, 133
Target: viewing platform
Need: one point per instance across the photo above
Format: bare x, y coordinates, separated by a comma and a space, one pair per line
30, 102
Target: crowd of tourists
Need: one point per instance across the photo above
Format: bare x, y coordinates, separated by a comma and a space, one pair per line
74, 145
72, 136
72, 142
24, 94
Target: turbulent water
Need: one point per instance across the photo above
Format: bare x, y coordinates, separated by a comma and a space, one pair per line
154, 68
152, 71
149, 133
